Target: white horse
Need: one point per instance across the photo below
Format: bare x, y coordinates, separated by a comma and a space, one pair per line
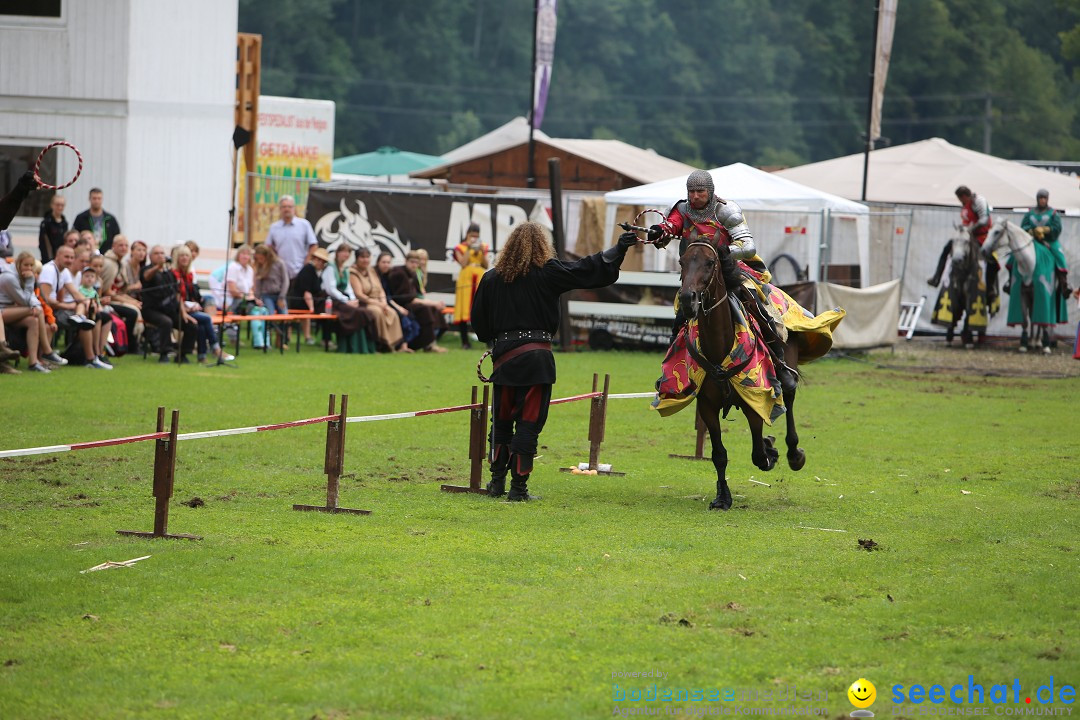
1022, 248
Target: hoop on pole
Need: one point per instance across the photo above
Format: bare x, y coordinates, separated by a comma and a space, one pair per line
37, 166
479, 370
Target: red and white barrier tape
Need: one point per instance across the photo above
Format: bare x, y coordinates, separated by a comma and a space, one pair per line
255, 428
574, 398
281, 426
81, 446
415, 413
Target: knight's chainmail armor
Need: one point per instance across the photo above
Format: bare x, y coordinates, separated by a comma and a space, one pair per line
701, 180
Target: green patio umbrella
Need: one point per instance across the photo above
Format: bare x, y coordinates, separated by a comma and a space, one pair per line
385, 161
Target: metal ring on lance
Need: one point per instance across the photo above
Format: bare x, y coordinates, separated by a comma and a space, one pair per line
634, 227
479, 372
37, 166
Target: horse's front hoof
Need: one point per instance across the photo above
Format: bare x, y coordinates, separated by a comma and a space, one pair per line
720, 503
796, 459
1046, 350
1023, 348
969, 346
768, 461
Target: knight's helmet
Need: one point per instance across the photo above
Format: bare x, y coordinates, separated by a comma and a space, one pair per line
700, 180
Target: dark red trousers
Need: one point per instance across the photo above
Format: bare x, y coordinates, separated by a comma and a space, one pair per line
518, 415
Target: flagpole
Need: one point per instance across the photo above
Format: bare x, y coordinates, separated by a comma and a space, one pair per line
531, 178
870, 101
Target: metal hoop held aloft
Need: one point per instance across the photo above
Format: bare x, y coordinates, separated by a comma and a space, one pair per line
634, 227
37, 166
649, 210
479, 372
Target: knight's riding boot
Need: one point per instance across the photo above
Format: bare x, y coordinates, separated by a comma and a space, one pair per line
500, 464
945, 252
992, 268
789, 380
520, 469
680, 320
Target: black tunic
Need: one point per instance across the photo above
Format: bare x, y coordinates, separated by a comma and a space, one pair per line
532, 303
307, 280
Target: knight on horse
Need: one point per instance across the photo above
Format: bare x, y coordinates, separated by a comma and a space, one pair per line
966, 294
1044, 224
738, 339
705, 216
1038, 285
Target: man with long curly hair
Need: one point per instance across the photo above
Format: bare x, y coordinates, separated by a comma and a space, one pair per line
517, 307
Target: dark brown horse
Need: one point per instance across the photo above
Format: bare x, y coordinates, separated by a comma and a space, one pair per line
707, 273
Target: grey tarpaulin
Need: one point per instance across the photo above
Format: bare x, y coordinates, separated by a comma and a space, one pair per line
873, 314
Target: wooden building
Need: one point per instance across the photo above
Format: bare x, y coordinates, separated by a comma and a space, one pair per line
501, 159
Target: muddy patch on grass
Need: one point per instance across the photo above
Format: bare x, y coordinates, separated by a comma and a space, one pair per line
1069, 490
997, 358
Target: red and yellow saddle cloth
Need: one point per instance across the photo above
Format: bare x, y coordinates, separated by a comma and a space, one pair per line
756, 383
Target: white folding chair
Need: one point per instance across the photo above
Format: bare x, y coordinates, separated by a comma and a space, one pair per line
909, 317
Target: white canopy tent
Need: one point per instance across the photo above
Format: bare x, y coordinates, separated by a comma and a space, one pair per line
785, 217
928, 172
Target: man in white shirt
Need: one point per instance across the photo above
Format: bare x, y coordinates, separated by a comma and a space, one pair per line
292, 238
58, 288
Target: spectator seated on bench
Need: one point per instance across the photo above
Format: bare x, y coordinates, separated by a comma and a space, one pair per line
351, 317
306, 292
161, 307
21, 310
410, 329
383, 320
406, 291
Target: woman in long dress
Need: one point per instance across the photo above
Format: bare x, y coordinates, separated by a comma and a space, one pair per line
368, 289
471, 254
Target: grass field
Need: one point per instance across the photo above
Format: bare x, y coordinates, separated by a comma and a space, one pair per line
446, 606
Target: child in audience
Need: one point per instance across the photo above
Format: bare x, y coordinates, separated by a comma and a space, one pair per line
102, 320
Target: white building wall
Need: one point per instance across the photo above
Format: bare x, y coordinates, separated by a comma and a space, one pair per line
145, 90
82, 55
181, 94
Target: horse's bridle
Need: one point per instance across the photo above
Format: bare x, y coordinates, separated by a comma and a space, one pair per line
711, 278
1005, 231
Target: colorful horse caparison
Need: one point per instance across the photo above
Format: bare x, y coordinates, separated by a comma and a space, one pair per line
964, 295
1035, 322
704, 296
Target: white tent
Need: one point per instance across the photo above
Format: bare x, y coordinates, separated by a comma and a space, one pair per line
929, 171
784, 216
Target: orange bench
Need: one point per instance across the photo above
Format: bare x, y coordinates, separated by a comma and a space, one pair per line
290, 317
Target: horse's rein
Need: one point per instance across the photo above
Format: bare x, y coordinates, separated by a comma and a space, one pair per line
712, 276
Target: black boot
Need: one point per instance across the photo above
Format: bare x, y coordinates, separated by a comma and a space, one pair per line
463, 328
789, 380
500, 463
935, 279
519, 489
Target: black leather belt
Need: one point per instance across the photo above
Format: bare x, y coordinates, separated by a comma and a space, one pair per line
538, 335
